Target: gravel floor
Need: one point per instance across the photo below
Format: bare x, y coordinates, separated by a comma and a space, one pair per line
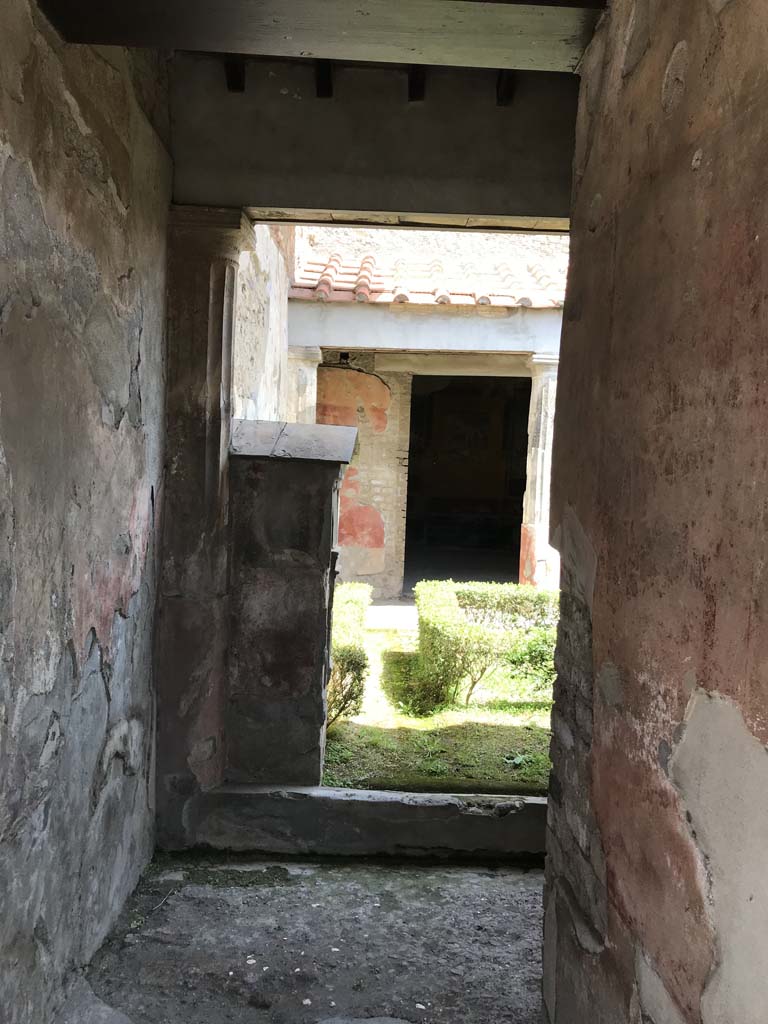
208, 942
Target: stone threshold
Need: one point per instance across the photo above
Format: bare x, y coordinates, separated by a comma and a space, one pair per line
323, 821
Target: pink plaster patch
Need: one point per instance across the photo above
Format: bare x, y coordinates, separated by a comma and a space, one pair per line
359, 525
349, 397
113, 576
528, 555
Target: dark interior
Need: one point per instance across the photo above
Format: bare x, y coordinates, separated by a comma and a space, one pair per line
466, 478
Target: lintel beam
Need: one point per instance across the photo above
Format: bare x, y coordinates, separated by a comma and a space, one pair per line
538, 35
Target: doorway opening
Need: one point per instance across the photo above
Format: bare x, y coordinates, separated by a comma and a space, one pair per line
466, 478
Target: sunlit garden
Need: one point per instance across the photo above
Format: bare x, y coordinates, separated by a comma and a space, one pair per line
457, 700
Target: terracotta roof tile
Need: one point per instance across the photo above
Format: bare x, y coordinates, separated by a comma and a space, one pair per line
347, 279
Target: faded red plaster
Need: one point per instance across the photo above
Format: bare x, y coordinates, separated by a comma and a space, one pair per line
661, 446
349, 398
346, 397
528, 555
359, 525
656, 879
105, 585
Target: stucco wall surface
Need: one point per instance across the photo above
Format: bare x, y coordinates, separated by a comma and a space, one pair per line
84, 188
260, 355
372, 504
657, 892
405, 327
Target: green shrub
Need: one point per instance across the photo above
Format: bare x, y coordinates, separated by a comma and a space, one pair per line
350, 604
346, 684
508, 605
349, 661
399, 681
531, 657
468, 629
455, 653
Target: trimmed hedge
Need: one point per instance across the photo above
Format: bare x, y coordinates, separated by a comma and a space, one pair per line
508, 605
397, 678
349, 661
467, 629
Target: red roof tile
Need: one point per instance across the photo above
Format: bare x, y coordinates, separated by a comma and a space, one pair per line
364, 280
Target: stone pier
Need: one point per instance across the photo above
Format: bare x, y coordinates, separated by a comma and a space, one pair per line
192, 629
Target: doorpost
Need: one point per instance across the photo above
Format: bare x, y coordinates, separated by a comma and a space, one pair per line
192, 626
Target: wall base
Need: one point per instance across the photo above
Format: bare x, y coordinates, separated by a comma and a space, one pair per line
351, 822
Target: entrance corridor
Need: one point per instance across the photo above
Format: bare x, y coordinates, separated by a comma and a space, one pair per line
305, 943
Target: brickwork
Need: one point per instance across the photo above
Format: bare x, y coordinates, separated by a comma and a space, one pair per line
374, 494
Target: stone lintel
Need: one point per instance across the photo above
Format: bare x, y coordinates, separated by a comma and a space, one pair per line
542, 362
468, 364
306, 353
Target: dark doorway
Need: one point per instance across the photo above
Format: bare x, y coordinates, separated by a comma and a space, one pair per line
466, 478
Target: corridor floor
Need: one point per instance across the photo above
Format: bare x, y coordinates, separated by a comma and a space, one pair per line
289, 943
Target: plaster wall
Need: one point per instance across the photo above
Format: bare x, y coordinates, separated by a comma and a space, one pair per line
657, 896
282, 529
459, 155
462, 252
302, 384
84, 189
404, 327
260, 352
371, 535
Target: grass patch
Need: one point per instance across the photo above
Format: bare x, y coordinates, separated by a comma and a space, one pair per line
469, 755
495, 745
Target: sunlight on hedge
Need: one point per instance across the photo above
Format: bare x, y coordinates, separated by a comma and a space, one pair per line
468, 631
349, 659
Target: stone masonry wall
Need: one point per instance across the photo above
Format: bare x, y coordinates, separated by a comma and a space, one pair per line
657, 889
260, 355
84, 189
375, 488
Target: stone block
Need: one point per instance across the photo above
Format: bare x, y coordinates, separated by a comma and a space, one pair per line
342, 822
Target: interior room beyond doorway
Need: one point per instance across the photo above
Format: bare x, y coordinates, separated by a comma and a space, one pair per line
466, 479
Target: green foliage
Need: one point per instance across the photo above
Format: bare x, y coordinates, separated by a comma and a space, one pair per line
346, 685
350, 604
465, 631
531, 657
349, 661
458, 750
508, 605
397, 679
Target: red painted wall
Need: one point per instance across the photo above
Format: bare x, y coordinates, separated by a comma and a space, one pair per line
353, 398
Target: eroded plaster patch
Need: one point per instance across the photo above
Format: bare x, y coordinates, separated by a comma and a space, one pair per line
675, 77
577, 554
719, 5
656, 1003
610, 684
721, 770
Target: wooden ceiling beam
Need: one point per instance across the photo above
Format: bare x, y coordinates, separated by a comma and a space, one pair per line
538, 35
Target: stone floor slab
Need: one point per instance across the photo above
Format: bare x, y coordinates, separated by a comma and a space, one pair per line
299, 943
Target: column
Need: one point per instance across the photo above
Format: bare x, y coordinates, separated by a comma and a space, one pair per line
303, 362
539, 563
193, 614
